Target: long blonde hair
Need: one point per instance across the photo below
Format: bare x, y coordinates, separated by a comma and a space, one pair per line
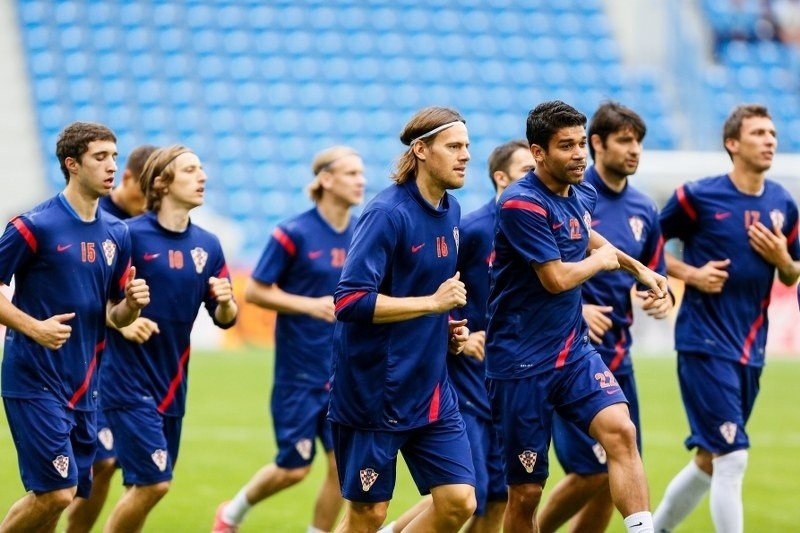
160, 164
423, 122
322, 162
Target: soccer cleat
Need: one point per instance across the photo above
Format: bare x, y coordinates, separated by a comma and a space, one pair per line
220, 526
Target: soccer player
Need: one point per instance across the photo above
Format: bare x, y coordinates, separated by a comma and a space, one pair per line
296, 276
125, 201
71, 266
539, 358
629, 220
507, 163
390, 391
737, 230
144, 381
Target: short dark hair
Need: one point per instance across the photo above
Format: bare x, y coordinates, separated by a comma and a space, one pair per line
732, 129
547, 118
137, 158
500, 158
612, 117
74, 141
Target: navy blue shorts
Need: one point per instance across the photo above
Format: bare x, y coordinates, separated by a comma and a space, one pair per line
718, 395
55, 445
436, 454
523, 411
490, 482
579, 453
147, 443
299, 417
105, 439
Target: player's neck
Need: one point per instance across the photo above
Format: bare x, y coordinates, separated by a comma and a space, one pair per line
173, 218
747, 181
336, 214
613, 181
84, 203
119, 200
557, 187
430, 190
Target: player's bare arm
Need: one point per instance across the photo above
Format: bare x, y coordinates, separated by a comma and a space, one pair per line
51, 333
222, 291
772, 246
451, 293
475, 346
137, 295
596, 317
709, 278
270, 296
558, 276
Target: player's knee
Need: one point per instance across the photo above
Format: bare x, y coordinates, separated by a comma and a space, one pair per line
296, 475
525, 496
459, 504
370, 514
731, 465
156, 491
619, 438
103, 468
57, 500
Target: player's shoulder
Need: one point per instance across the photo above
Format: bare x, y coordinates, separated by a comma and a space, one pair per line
44, 211
585, 189
480, 217
775, 189
300, 223
637, 197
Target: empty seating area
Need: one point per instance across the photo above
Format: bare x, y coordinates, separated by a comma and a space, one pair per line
256, 88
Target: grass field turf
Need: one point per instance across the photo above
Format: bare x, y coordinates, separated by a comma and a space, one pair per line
228, 436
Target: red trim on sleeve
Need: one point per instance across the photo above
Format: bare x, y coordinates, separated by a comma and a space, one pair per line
85, 385
656, 254
433, 412
792, 235
527, 206
285, 241
176, 381
124, 279
224, 272
751, 335
348, 298
26, 233
685, 204
562, 355
619, 353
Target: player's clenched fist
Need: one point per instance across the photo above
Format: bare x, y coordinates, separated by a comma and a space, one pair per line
221, 289
451, 293
137, 293
53, 332
608, 255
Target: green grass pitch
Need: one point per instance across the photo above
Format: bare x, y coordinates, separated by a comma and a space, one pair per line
228, 436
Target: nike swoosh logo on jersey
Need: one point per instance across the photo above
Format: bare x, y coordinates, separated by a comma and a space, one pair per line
722, 215
557, 225
62, 247
150, 257
316, 254
417, 248
595, 222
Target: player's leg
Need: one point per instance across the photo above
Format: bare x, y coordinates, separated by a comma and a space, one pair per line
522, 413
489, 519
329, 499
439, 458
42, 434
296, 416
401, 522
145, 444
684, 492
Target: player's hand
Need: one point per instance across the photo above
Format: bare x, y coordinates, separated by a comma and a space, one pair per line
451, 293
655, 282
458, 333
770, 245
140, 330
137, 293
322, 308
221, 289
711, 277
475, 346
53, 332
608, 255
655, 307
596, 317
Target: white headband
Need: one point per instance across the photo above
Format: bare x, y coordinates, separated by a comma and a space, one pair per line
434, 131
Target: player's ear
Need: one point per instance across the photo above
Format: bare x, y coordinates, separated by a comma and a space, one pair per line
420, 150
538, 153
597, 142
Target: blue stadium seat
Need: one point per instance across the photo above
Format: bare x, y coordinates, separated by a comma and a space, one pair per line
198, 17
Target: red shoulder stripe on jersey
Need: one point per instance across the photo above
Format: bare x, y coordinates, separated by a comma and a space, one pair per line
26, 233
433, 412
176, 380
284, 241
124, 279
619, 353
527, 206
656, 254
345, 300
792, 234
751, 335
85, 385
685, 204
562, 355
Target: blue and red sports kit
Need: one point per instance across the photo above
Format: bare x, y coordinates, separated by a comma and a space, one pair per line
149, 381
721, 338
628, 220
60, 264
390, 383
538, 356
467, 374
304, 256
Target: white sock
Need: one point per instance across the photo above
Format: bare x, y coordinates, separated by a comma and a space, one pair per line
727, 510
234, 512
683, 494
312, 529
641, 522
388, 528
